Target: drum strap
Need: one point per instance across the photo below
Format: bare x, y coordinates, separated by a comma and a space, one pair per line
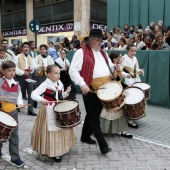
106, 59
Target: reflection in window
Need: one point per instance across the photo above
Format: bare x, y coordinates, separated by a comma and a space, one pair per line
6, 6
41, 2
19, 5
7, 21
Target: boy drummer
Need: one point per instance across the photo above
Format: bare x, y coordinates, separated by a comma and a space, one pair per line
9, 87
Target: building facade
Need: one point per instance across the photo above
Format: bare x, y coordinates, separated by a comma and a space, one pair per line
58, 18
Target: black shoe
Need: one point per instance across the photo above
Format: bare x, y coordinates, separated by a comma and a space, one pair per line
35, 104
125, 135
32, 113
18, 163
58, 159
24, 98
133, 125
106, 150
88, 141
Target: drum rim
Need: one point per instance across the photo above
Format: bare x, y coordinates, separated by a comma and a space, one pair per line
66, 111
142, 83
114, 97
8, 126
137, 88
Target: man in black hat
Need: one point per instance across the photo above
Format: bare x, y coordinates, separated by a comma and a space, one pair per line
90, 68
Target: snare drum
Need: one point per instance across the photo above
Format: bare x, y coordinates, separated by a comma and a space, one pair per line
135, 103
111, 95
7, 126
145, 87
68, 114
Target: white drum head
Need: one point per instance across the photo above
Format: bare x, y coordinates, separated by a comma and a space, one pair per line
133, 95
7, 119
143, 86
110, 91
65, 106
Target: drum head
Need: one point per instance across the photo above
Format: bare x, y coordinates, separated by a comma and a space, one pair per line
133, 95
66, 106
111, 90
143, 86
7, 119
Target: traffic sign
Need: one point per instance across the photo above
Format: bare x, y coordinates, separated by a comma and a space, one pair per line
35, 25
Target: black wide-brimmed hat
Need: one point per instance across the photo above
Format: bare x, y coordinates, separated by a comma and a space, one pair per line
96, 33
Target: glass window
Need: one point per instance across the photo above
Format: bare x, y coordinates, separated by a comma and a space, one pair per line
19, 5
45, 16
98, 11
62, 11
19, 19
6, 22
6, 6
41, 2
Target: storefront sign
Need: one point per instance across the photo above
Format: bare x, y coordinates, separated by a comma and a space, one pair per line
55, 28
14, 33
98, 26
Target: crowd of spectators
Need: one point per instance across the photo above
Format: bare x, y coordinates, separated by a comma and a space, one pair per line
153, 37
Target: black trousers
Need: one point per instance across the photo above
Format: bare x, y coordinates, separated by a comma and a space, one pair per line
26, 86
92, 120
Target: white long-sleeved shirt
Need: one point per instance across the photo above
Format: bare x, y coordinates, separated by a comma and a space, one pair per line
40, 61
48, 84
19, 98
62, 63
100, 68
131, 62
21, 72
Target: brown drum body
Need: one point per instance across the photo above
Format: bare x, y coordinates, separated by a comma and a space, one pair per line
145, 87
111, 95
68, 114
134, 107
116, 103
7, 126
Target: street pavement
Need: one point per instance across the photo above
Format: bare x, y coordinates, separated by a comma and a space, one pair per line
148, 150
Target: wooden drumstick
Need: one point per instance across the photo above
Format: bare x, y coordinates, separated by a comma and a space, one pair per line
8, 97
20, 107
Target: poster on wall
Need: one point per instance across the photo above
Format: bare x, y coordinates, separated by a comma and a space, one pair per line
16, 42
55, 39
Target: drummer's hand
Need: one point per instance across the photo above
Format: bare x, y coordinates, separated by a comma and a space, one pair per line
42, 67
21, 106
85, 89
45, 102
68, 89
128, 76
141, 72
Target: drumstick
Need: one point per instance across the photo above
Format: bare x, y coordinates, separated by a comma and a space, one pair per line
99, 88
20, 107
9, 97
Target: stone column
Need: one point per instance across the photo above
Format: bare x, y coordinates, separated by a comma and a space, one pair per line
29, 17
82, 15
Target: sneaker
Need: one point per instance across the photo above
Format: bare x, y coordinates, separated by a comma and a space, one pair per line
18, 163
88, 141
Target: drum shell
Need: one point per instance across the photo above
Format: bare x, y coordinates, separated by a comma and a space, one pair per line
146, 91
135, 111
68, 119
116, 103
6, 130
